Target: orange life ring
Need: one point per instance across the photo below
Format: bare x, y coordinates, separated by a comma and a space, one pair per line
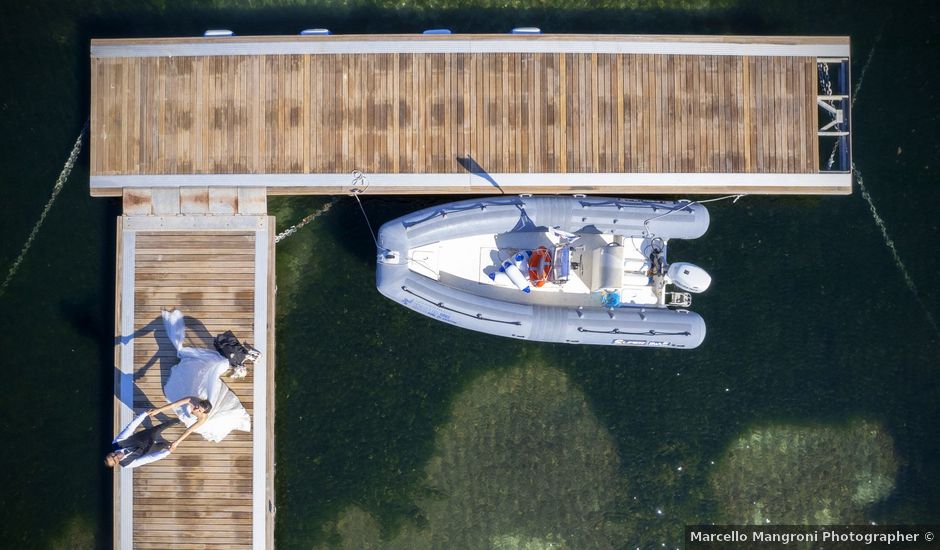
540, 265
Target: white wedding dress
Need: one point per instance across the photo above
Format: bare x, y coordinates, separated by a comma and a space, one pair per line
198, 375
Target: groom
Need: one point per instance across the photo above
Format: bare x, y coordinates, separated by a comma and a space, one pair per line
131, 450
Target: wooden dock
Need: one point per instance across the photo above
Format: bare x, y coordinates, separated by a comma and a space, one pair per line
217, 266
467, 114
195, 133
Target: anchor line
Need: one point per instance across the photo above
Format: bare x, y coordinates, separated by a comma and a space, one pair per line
889, 242
879, 222
861, 75
56, 189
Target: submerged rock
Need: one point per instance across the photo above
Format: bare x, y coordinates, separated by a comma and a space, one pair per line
805, 475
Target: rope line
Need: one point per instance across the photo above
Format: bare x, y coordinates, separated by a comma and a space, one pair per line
889, 242
360, 185
56, 189
309, 218
368, 223
879, 222
683, 205
861, 75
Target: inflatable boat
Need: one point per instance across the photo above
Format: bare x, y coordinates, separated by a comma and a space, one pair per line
576, 270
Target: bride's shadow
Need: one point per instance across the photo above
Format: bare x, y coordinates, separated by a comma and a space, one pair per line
164, 358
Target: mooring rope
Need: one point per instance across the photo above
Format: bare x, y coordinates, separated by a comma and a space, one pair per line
861, 75
879, 222
368, 223
360, 185
889, 242
309, 218
56, 189
681, 205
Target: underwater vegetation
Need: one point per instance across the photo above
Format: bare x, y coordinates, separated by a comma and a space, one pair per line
805, 475
523, 464
77, 534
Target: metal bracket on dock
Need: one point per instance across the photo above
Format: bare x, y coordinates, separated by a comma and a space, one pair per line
828, 103
834, 106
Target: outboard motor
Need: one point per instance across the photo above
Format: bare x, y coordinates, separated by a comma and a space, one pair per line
689, 277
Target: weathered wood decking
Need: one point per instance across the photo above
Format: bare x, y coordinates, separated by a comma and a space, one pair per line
461, 113
194, 133
218, 270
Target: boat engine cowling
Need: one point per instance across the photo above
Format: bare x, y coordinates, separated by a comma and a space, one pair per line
689, 277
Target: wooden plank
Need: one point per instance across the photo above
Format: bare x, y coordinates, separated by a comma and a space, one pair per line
98, 97
652, 95
503, 134
575, 104
549, 113
790, 147
606, 134
804, 75
593, 93
585, 110
780, 120
446, 108
814, 113
665, 107
764, 126
114, 127
131, 135
746, 106
394, 129
726, 146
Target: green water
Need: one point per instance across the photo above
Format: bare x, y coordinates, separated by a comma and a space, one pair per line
395, 430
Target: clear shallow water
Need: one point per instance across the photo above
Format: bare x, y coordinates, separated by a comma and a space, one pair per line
811, 326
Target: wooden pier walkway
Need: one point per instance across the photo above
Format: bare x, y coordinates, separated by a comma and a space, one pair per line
218, 269
466, 113
195, 133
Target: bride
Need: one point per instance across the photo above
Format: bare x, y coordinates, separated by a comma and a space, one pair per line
198, 375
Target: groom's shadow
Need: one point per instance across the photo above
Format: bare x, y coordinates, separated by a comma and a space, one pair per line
164, 358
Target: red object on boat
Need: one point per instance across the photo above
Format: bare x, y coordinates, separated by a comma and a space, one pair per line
540, 265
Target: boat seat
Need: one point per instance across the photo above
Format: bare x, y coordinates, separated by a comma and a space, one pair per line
607, 267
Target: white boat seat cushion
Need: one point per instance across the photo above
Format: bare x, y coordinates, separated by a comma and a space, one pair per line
607, 267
